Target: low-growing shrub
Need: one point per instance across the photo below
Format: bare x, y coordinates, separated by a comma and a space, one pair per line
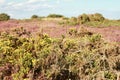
83, 18
44, 58
91, 19
98, 17
81, 32
55, 16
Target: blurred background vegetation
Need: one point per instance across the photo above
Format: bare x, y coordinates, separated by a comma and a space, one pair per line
89, 20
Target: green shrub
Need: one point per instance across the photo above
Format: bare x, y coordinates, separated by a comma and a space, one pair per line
91, 17
34, 16
45, 58
69, 21
105, 23
73, 19
81, 32
55, 16
110, 75
72, 31
65, 18
83, 18
98, 17
4, 17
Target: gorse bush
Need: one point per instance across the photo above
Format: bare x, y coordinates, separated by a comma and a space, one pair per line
83, 18
4, 17
86, 19
44, 58
81, 32
96, 17
90, 20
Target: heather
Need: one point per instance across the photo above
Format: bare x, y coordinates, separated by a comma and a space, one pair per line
56, 47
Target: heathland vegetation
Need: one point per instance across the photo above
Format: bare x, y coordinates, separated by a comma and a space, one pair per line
4, 17
77, 55
91, 20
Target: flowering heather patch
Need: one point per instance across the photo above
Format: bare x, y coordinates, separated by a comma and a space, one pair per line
53, 29
109, 33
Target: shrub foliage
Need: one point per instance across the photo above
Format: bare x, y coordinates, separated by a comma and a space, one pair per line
4, 17
43, 58
34, 16
96, 19
55, 16
84, 18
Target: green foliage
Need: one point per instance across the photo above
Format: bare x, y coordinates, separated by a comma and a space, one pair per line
110, 75
69, 21
73, 21
105, 23
81, 32
55, 16
90, 18
45, 58
98, 17
72, 31
65, 18
83, 18
4, 17
34, 16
